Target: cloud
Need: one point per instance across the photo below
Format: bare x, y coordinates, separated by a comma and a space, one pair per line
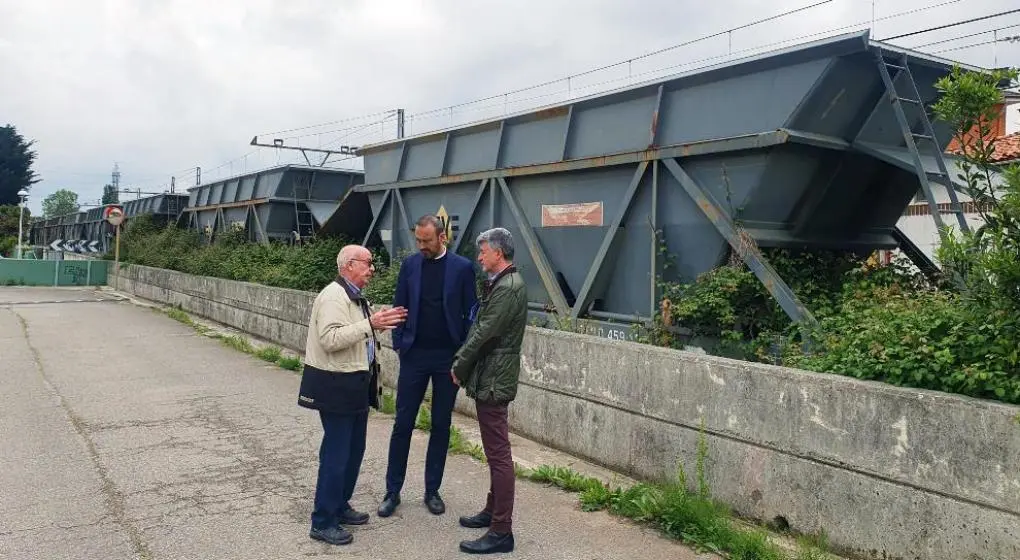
164, 86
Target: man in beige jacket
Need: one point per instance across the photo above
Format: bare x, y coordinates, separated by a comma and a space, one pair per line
340, 380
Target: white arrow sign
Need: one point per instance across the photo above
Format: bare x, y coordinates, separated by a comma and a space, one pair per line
56, 245
80, 246
69, 245
93, 246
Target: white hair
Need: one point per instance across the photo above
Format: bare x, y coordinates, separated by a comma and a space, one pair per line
347, 253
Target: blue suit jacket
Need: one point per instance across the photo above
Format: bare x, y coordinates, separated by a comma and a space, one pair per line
459, 298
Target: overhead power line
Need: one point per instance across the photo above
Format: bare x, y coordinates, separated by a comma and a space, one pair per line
448, 109
969, 35
954, 24
1007, 39
632, 59
390, 112
441, 112
427, 114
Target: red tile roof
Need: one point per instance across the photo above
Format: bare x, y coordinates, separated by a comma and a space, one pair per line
1007, 148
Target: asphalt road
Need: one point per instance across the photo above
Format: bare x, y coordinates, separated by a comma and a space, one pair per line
125, 434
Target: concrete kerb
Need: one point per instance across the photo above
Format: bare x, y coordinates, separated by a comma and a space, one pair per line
211, 327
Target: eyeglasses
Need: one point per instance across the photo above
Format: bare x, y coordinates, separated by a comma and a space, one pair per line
366, 261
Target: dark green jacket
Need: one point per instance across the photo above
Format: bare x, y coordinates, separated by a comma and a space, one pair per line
488, 364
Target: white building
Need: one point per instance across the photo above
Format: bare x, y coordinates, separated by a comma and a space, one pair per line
917, 222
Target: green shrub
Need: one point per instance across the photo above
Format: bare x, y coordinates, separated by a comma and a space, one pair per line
731, 305
8, 244
922, 339
381, 288
307, 267
984, 264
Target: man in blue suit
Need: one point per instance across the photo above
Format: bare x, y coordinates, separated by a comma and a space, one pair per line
437, 287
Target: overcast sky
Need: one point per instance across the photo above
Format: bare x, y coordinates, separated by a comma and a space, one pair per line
163, 86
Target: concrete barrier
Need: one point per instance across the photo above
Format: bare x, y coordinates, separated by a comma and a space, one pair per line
886, 472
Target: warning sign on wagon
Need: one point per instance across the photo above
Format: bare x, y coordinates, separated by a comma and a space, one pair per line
578, 214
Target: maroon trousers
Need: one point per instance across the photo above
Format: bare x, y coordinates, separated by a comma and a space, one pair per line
495, 427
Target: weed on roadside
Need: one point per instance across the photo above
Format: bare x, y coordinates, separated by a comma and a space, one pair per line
287, 362
691, 517
179, 315
270, 354
388, 404
459, 444
237, 343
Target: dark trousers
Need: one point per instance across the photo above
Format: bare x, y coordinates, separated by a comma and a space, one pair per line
340, 455
416, 370
495, 428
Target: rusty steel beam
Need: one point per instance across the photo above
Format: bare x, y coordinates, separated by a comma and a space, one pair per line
252, 202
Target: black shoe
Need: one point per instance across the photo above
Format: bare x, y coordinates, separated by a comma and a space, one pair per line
476, 521
435, 503
332, 535
489, 543
353, 517
389, 505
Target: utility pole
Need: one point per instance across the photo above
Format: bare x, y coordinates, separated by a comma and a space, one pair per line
278, 143
22, 200
173, 180
198, 176
400, 123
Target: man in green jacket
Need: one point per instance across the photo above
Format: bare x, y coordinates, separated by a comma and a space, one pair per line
488, 366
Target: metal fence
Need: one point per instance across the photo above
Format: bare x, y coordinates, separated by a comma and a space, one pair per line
29, 272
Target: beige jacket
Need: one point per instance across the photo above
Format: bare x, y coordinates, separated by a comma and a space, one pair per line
338, 332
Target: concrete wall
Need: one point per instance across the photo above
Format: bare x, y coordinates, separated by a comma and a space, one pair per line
886, 472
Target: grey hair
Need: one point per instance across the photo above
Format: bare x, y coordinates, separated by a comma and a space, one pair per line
499, 239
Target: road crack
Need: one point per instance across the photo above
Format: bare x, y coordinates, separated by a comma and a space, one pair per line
114, 499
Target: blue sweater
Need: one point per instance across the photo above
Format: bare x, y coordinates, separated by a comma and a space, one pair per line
433, 333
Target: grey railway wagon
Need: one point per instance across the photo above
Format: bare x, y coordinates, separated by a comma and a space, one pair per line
280, 203
80, 229
164, 207
818, 146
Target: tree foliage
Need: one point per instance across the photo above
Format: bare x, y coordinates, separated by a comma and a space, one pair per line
986, 261
60, 203
309, 267
16, 160
9, 220
110, 195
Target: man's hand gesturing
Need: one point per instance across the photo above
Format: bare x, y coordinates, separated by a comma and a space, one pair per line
388, 318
